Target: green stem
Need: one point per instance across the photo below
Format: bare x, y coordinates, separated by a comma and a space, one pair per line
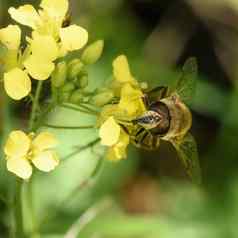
40, 120
4, 200
87, 183
32, 122
33, 226
79, 109
19, 230
87, 107
35, 105
69, 127
82, 148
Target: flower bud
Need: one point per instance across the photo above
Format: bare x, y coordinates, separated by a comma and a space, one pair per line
82, 82
66, 91
75, 67
76, 97
59, 75
93, 52
68, 87
64, 96
102, 98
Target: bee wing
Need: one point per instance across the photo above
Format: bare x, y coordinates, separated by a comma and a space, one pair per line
186, 84
188, 154
156, 94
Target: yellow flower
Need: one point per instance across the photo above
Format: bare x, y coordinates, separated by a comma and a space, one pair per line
22, 151
121, 70
109, 132
113, 136
44, 51
119, 150
48, 21
11, 37
131, 101
121, 75
129, 106
49, 41
16, 81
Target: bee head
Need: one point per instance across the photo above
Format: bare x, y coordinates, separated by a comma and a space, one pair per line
148, 120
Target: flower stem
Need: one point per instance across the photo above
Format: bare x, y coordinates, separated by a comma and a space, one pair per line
82, 148
35, 105
19, 231
80, 109
90, 181
69, 127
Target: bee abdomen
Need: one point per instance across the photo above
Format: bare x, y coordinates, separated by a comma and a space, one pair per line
144, 139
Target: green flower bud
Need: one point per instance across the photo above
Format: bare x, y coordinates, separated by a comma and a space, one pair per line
66, 91
59, 75
102, 98
64, 96
82, 82
93, 52
74, 68
68, 87
76, 97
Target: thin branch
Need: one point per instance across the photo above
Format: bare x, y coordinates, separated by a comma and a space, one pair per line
69, 127
90, 181
35, 105
87, 217
82, 148
80, 109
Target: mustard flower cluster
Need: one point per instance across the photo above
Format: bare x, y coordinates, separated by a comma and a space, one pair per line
129, 106
48, 42
22, 151
35, 58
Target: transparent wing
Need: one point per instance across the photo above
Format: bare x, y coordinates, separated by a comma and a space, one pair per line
188, 154
187, 82
155, 94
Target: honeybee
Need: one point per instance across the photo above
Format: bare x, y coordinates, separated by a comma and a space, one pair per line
168, 118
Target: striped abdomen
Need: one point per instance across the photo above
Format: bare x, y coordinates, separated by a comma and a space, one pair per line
143, 138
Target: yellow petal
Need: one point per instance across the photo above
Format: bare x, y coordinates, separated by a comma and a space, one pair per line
118, 151
17, 83
45, 140
19, 166
25, 15
10, 60
10, 36
38, 68
17, 145
55, 8
44, 47
73, 37
46, 161
131, 100
121, 70
109, 132
120, 147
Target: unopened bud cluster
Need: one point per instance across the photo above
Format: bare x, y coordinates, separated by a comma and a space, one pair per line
70, 79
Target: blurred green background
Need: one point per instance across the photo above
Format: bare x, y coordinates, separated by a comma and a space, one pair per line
148, 195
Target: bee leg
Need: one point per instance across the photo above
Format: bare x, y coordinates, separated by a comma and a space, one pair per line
146, 100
